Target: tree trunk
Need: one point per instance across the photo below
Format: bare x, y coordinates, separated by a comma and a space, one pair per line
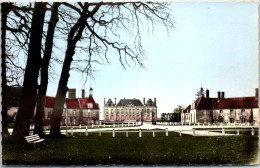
74, 36
5, 9
44, 71
30, 85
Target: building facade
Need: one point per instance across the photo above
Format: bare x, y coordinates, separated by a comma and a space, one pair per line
130, 110
80, 111
222, 110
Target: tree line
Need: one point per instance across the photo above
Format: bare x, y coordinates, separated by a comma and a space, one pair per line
34, 32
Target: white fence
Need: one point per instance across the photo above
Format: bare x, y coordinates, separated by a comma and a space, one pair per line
166, 131
204, 124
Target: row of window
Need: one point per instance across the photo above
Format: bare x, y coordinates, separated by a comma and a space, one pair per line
126, 110
232, 112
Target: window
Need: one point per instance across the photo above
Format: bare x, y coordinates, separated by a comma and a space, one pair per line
221, 112
243, 112
231, 113
90, 105
231, 120
243, 120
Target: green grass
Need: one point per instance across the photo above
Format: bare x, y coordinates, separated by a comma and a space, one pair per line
160, 150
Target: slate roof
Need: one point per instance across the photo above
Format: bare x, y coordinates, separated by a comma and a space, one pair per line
130, 102
149, 102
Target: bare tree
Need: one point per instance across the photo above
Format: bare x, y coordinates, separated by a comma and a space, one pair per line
5, 9
98, 30
30, 85
45, 69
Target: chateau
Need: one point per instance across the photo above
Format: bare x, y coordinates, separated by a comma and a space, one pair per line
130, 110
222, 110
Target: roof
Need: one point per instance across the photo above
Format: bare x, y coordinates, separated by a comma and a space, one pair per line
240, 102
109, 103
50, 101
129, 102
75, 103
205, 103
85, 101
72, 103
187, 109
225, 103
149, 102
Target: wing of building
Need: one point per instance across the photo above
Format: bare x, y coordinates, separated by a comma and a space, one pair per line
130, 110
223, 110
82, 110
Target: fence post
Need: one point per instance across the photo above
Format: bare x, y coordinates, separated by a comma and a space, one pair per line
223, 131
209, 124
166, 132
86, 131
198, 124
80, 126
189, 123
193, 131
180, 133
122, 124
114, 125
104, 125
113, 134
71, 131
126, 133
99, 133
237, 132
140, 133
153, 134
252, 131
182, 123
128, 124
92, 125
208, 132
98, 126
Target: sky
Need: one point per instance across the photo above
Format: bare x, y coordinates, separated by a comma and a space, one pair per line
213, 45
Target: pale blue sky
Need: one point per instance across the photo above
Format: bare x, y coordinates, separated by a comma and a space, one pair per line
213, 45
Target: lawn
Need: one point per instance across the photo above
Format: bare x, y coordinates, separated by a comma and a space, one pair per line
160, 150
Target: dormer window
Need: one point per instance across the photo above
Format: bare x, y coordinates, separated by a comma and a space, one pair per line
90, 105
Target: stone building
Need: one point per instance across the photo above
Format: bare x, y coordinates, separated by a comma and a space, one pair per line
130, 110
84, 110
222, 110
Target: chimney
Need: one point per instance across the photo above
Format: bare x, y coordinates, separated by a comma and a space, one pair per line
83, 93
144, 101
72, 93
154, 102
256, 92
104, 101
115, 101
207, 93
219, 94
222, 95
97, 105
